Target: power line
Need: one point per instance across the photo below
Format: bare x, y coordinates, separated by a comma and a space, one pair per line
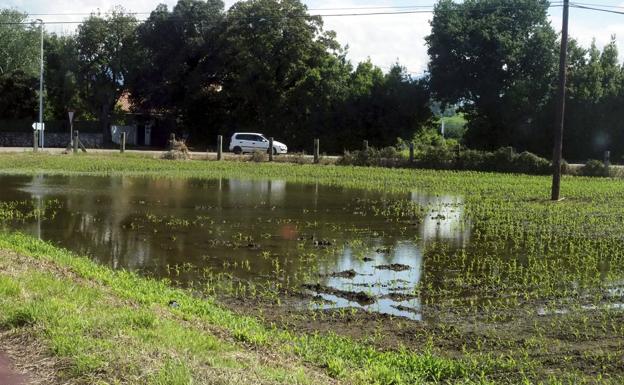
309, 9
578, 6
356, 14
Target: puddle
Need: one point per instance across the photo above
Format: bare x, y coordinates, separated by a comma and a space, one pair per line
285, 233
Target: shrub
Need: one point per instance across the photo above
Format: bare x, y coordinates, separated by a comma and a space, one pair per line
386, 157
447, 157
595, 167
177, 151
530, 163
259, 156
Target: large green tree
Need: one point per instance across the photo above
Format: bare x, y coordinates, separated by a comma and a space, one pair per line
497, 60
179, 71
61, 58
107, 54
595, 93
381, 108
18, 98
281, 68
19, 66
19, 44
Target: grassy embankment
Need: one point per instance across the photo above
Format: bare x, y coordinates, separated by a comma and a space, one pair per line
524, 251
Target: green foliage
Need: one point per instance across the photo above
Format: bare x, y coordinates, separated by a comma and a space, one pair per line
61, 73
18, 98
19, 45
178, 63
495, 60
595, 168
107, 54
449, 156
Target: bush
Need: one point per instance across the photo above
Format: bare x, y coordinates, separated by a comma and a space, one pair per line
595, 167
177, 151
259, 156
386, 157
447, 157
529, 163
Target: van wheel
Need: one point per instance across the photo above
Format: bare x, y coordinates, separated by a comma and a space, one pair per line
238, 150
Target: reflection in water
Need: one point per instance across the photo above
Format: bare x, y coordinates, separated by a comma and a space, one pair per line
290, 232
444, 220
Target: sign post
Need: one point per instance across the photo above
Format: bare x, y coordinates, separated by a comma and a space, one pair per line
70, 114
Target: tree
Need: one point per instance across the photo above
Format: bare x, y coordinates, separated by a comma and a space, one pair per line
281, 68
19, 44
496, 58
61, 59
107, 49
179, 70
18, 96
382, 107
593, 114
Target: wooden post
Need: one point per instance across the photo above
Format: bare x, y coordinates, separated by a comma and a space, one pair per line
607, 158
271, 149
411, 152
561, 97
35, 140
219, 147
122, 144
76, 139
365, 145
171, 140
316, 150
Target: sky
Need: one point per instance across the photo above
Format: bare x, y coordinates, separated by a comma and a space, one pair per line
385, 39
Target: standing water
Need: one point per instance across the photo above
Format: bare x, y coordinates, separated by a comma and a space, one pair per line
344, 246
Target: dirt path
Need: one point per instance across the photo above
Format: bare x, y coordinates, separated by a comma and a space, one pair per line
7, 375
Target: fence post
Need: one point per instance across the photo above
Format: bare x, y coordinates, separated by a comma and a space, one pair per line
316, 150
35, 140
607, 158
365, 145
171, 140
219, 147
271, 149
122, 144
76, 139
411, 152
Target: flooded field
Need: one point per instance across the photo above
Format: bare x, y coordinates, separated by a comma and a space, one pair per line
342, 248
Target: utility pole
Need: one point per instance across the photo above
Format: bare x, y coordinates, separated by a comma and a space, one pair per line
563, 64
41, 85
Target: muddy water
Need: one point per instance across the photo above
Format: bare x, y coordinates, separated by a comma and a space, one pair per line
264, 231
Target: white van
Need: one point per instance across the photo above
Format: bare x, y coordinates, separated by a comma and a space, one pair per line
250, 141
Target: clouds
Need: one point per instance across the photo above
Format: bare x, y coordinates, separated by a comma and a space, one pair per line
385, 39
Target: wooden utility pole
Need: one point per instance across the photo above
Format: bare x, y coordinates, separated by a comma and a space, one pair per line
219, 147
563, 64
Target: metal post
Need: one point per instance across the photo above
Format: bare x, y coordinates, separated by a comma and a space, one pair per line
75, 142
316, 150
411, 152
607, 158
365, 145
219, 147
122, 144
35, 140
563, 63
271, 149
41, 82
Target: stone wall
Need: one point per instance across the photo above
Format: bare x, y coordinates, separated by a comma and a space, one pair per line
52, 139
